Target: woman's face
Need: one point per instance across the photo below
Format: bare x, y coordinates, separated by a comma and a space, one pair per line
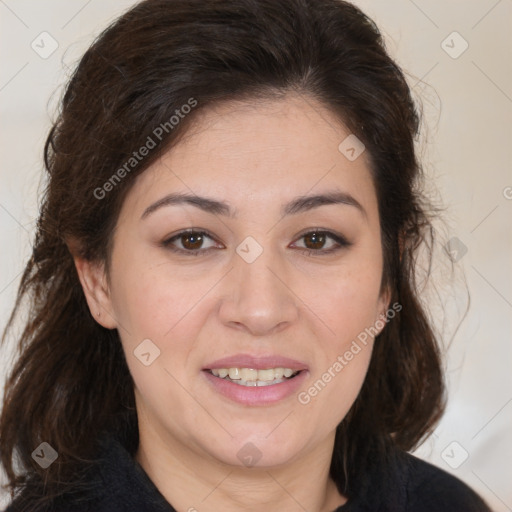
269, 279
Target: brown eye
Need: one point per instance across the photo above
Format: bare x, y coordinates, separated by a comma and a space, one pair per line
314, 240
321, 242
192, 240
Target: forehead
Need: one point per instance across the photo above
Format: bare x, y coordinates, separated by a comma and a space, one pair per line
252, 154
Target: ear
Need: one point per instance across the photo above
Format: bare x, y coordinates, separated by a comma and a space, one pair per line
94, 283
384, 300
382, 308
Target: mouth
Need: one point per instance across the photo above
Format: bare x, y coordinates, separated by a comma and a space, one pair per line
252, 380
251, 377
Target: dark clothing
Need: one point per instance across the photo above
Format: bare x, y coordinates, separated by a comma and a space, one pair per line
402, 484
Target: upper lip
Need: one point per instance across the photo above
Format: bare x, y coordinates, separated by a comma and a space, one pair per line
256, 362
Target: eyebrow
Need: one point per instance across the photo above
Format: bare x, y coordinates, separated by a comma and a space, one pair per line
297, 205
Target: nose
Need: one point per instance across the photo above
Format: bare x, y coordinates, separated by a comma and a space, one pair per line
258, 296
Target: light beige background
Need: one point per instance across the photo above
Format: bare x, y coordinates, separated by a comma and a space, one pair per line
467, 152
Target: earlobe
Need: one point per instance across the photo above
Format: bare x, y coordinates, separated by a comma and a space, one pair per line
95, 287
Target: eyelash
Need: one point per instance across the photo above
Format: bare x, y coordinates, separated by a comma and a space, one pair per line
339, 239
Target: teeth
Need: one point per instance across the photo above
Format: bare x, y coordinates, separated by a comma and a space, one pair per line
234, 374
266, 375
248, 374
252, 377
278, 373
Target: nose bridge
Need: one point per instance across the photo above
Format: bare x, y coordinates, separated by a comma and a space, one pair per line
260, 299
259, 277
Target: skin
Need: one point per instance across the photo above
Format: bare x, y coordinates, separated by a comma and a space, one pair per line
255, 156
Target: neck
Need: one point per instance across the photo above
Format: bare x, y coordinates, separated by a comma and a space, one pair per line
197, 482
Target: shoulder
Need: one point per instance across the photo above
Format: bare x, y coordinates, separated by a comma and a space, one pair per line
430, 488
115, 482
392, 480
64, 503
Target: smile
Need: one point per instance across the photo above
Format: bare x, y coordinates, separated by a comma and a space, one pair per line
251, 377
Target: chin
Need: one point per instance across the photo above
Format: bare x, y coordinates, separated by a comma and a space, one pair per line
258, 451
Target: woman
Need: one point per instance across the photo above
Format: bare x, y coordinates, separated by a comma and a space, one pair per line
223, 311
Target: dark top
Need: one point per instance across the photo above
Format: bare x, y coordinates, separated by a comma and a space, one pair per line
402, 483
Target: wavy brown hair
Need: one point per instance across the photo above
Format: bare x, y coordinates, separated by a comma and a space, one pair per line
71, 382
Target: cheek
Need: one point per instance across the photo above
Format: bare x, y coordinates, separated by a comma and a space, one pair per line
149, 301
344, 351
159, 315
346, 303
152, 303
348, 318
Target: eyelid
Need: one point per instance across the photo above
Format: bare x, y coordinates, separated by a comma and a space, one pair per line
326, 231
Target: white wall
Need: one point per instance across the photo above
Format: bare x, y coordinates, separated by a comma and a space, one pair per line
468, 110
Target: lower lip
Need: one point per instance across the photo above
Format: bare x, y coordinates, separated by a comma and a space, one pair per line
256, 395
